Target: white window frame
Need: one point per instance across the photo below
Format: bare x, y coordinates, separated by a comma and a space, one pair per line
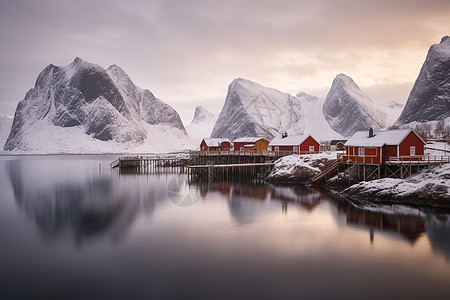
295, 149
311, 149
361, 151
412, 151
277, 149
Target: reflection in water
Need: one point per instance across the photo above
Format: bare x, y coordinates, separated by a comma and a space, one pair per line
84, 209
438, 230
246, 203
238, 241
409, 224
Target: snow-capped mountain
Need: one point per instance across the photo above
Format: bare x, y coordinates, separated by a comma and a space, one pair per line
5, 128
83, 108
348, 109
429, 99
251, 109
201, 125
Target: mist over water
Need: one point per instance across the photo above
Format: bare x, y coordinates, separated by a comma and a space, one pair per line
71, 228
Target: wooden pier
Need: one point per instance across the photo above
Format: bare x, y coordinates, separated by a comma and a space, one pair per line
205, 165
141, 164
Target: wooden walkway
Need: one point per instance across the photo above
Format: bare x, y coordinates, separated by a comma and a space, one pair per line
394, 167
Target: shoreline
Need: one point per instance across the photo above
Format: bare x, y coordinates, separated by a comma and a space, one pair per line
427, 188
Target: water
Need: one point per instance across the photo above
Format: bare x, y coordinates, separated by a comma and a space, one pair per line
71, 228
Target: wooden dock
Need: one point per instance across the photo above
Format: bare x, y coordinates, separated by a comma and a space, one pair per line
137, 164
230, 171
209, 165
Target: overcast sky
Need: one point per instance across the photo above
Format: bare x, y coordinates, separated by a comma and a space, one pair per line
187, 52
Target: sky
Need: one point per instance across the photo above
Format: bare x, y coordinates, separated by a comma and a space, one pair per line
187, 52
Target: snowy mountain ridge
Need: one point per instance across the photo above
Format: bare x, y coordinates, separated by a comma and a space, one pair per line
251, 109
429, 99
202, 124
83, 108
348, 109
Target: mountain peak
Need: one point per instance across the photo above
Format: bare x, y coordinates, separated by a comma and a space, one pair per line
348, 109
429, 99
202, 115
96, 105
77, 61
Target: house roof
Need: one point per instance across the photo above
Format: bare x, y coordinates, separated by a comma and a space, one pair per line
380, 138
248, 139
215, 142
294, 140
335, 142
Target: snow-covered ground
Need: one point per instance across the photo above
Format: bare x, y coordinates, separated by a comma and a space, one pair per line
431, 185
295, 168
73, 140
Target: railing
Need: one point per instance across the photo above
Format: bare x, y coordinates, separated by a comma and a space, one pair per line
242, 153
424, 159
369, 159
248, 152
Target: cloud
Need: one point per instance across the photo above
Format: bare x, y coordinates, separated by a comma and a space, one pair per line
189, 51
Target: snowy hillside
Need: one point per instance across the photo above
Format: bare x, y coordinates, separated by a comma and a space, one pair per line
5, 128
83, 108
202, 124
429, 99
251, 109
393, 110
348, 109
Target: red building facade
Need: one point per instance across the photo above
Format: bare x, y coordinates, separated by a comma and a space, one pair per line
382, 146
300, 144
211, 144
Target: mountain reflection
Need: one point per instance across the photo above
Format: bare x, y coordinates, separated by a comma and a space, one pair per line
83, 210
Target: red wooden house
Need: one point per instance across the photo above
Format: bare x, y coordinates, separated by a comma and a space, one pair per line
218, 144
377, 147
300, 144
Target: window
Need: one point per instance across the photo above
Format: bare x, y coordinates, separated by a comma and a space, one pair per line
311, 148
412, 150
277, 149
296, 149
361, 151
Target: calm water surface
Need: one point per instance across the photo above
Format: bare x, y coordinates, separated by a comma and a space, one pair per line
71, 228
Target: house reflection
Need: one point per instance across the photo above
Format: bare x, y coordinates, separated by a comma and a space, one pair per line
299, 195
410, 225
438, 230
84, 210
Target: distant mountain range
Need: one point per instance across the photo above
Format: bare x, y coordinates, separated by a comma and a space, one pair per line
254, 110
83, 108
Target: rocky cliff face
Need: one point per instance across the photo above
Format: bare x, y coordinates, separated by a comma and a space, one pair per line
348, 109
251, 109
429, 99
93, 103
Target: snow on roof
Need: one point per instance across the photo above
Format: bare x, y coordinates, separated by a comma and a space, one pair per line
380, 138
215, 142
289, 140
248, 140
335, 142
